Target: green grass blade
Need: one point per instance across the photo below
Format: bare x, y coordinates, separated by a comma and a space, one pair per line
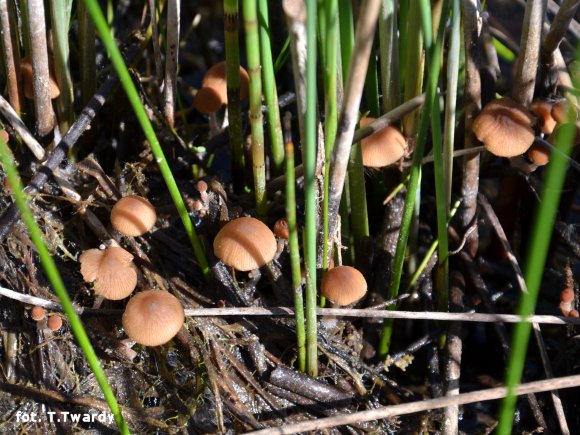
131, 91
57, 284
310, 191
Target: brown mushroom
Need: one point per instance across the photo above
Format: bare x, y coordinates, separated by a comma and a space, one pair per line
281, 229
37, 313
245, 244
539, 155
505, 128
26, 72
133, 216
382, 148
543, 111
343, 285
153, 317
111, 270
213, 92
54, 323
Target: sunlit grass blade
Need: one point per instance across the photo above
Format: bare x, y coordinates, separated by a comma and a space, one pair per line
133, 96
310, 191
57, 284
250, 13
294, 244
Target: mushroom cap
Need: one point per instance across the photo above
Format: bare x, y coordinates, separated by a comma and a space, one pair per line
382, 148
111, 270
543, 110
214, 91
54, 322
26, 72
153, 317
343, 285
133, 216
37, 313
281, 229
245, 244
567, 295
539, 155
504, 127
563, 111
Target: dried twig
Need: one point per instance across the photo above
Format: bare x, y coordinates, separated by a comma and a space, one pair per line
349, 114
424, 405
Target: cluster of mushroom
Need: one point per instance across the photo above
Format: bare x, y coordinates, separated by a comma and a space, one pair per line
54, 321
152, 317
247, 244
506, 128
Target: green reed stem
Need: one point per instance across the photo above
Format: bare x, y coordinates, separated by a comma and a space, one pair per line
250, 13
389, 46
535, 266
441, 284
372, 87
331, 112
270, 94
413, 185
293, 244
51, 270
359, 224
232, 42
133, 96
310, 146
87, 54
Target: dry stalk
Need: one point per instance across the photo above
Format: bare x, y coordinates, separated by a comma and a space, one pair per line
11, 56
171, 60
424, 405
348, 118
44, 114
528, 60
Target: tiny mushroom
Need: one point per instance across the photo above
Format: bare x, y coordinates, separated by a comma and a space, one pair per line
133, 216
281, 229
111, 270
504, 127
37, 313
245, 244
539, 155
54, 322
153, 317
26, 72
543, 111
213, 92
382, 148
343, 285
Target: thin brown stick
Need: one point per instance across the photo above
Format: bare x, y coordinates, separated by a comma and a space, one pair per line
171, 60
365, 31
527, 64
559, 26
44, 114
11, 56
470, 181
425, 405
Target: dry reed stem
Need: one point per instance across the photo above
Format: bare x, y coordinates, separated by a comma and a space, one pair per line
348, 118
11, 56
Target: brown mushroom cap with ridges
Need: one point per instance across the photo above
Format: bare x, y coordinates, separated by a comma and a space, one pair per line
245, 244
213, 92
153, 317
505, 128
382, 148
343, 285
26, 73
111, 270
133, 216
539, 155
